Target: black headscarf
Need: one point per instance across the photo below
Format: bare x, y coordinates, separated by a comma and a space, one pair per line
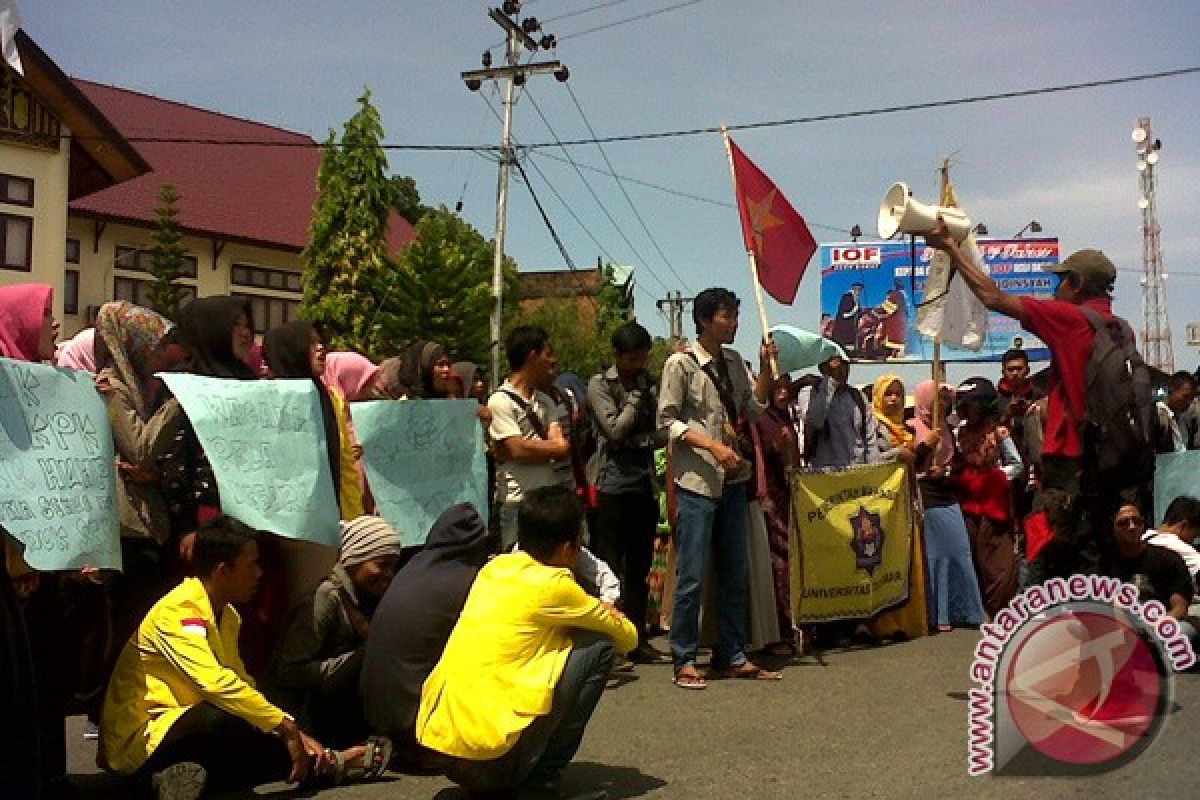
206, 330
286, 350
413, 621
412, 373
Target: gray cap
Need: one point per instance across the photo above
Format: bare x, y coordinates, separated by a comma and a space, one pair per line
1085, 263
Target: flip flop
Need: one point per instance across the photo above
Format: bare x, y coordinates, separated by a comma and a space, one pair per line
748, 672
693, 680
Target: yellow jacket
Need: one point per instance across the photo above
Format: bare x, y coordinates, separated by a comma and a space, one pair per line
349, 487
181, 655
506, 654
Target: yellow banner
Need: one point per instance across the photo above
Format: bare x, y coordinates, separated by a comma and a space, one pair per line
851, 541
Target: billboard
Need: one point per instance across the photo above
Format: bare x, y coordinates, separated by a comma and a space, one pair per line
870, 292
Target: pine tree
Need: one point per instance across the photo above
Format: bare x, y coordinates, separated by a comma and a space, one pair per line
168, 256
348, 273
446, 285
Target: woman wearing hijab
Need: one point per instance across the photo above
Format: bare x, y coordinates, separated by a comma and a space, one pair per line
131, 345
896, 442
295, 350
422, 372
317, 666
353, 374
953, 590
78, 352
27, 754
470, 378
775, 437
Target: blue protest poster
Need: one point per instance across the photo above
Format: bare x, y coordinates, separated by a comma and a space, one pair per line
265, 441
870, 293
57, 468
421, 457
1175, 474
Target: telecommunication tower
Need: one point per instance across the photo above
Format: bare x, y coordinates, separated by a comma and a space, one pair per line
1156, 330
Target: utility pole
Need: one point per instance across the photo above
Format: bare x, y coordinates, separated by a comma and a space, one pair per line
1156, 330
674, 305
518, 38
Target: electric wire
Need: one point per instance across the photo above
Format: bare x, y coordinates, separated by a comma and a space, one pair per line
613, 172
684, 132
554, 235
603, 208
628, 20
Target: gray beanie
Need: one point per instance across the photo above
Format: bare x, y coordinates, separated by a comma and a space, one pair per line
365, 538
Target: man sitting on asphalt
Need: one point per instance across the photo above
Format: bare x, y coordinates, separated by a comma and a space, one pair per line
508, 702
1180, 525
181, 709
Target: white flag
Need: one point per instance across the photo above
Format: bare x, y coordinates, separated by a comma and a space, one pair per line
950, 309
10, 23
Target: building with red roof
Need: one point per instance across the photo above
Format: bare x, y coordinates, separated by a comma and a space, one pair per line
247, 191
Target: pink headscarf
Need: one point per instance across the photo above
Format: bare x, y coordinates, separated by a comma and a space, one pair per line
22, 309
922, 423
350, 372
78, 352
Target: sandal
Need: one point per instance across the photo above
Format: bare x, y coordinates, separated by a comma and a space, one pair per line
375, 760
747, 672
688, 678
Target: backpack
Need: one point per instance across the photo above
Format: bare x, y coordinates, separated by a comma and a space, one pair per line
1118, 428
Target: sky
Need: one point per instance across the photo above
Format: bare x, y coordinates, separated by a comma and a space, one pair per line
1066, 160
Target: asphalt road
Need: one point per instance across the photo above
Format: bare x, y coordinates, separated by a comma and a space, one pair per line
858, 723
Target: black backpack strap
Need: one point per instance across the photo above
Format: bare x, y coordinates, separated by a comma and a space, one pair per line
539, 427
726, 398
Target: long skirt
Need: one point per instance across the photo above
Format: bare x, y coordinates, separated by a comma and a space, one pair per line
993, 546
953, 589
762, 626
911, 618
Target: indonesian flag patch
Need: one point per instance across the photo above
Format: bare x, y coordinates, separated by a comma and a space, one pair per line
195, 626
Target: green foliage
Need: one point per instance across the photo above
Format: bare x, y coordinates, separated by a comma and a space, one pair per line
348, 272
168, 256
406, 199
446, 290
581, 339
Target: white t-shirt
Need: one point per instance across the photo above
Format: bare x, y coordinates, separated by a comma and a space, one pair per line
1191, 558
510, 419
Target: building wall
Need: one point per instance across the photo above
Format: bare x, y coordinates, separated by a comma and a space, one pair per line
49, 171
101, 274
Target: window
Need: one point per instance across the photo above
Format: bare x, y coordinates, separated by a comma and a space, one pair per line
16, 242
266, 278
71, 292
132, 258
137, 291
16, 190
270, 312
72, 251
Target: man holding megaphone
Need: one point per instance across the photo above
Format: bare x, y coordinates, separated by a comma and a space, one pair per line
1078, 498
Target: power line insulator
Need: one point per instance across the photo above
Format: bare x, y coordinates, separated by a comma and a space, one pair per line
561, 75
549, 42
473, 84
518, 79
511, 7
487, 59
531, 25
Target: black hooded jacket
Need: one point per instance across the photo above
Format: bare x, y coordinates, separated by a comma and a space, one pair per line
415, 617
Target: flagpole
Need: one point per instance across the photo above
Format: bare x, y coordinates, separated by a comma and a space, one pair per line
937, 339
758, 292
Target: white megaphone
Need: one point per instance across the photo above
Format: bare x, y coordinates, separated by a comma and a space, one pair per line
900, 213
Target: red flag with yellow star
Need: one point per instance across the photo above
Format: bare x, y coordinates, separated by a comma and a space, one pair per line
777, 236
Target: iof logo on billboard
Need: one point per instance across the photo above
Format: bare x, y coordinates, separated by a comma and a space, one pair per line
1075, 678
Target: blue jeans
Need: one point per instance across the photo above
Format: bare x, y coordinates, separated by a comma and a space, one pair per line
550, 742
706, 526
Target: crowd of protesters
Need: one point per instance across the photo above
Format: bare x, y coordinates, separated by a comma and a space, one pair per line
222, 656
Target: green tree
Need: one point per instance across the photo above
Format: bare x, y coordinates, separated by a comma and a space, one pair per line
168, 256
406, 199
348, 273
445, 292
581, 339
